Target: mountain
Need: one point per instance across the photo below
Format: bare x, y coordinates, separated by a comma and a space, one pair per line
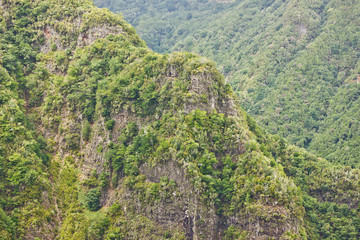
294, 63
102, 138
161, 23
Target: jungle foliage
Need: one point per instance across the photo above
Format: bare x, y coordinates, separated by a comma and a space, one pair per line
86, 119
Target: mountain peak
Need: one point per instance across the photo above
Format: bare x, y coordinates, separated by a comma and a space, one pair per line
102, 138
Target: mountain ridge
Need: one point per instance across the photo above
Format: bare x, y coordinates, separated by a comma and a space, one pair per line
113, 141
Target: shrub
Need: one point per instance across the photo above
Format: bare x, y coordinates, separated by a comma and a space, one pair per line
92, 199
72, 141
110, 124
86, 131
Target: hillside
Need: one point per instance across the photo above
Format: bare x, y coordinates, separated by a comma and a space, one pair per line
164, 23
294, 64
102, 138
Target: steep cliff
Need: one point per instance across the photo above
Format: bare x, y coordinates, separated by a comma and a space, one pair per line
101, 138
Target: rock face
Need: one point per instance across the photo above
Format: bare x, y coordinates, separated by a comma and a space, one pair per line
53, 39
179, 187
153, 121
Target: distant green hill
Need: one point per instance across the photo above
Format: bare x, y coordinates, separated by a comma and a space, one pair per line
294, 64
102, 138
164, 23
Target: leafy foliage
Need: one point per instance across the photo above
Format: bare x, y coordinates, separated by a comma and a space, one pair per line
97, 133
92, 199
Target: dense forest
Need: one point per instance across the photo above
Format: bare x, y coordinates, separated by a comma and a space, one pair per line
294, 64
103, 138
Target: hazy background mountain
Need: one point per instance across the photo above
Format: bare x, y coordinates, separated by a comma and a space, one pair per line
294, 63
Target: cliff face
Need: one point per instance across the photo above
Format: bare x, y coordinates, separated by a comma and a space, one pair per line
102, 138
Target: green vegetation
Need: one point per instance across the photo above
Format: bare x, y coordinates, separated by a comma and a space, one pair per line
294, 64
101, 138
163, 23
92, 200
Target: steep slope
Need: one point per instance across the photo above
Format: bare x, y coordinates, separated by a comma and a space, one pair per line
101, 138
294, 64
